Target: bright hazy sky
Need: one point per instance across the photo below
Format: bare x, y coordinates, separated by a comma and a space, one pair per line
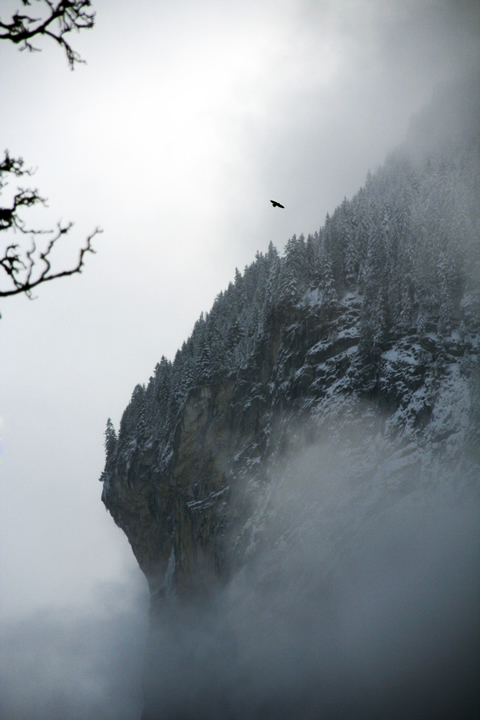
186, 120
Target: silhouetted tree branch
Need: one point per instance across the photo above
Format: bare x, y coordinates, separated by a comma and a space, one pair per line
60, 19
21, 272
24, 270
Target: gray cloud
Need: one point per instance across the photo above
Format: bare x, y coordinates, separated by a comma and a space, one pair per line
372, 620
60, 664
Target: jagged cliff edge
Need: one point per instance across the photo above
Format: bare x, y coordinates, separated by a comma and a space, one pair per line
372, 322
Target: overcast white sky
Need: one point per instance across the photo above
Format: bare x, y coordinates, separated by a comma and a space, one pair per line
187, 119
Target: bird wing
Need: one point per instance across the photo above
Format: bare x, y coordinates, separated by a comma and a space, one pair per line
277, 204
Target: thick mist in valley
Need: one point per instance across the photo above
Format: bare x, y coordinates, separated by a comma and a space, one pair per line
356, 603
68, 663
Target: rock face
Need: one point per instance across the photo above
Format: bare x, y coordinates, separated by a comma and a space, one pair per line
373, 321
189, 521
326, 389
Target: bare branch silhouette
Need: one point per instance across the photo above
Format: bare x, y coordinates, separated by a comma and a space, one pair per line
24, 270
21, 270
60, 19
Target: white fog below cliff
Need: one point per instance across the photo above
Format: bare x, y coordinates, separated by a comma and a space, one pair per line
360, 600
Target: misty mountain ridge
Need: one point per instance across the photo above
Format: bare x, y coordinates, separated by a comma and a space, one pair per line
300, 484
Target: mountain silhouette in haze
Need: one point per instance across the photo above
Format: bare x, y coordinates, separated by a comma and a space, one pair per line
300, 484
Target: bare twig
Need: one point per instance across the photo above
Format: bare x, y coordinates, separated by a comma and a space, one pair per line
22, 272
67, 15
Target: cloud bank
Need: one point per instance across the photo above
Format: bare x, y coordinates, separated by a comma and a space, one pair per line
352, 609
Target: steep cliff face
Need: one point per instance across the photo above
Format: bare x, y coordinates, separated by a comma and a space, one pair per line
190, 518
364, 336
307, 468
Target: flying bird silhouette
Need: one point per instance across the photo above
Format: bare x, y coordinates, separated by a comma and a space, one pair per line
275, 204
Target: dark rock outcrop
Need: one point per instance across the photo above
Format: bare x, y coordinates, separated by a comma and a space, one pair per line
188, 516
327, 393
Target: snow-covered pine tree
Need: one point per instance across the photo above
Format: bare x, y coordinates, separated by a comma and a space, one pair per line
110, 439
445, 296
329, 291
374, 310
293, 272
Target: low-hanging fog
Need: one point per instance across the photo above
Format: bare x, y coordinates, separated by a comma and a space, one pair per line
77, 663
176, 155
356, 604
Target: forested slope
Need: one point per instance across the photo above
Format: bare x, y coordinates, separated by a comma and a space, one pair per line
372, 321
